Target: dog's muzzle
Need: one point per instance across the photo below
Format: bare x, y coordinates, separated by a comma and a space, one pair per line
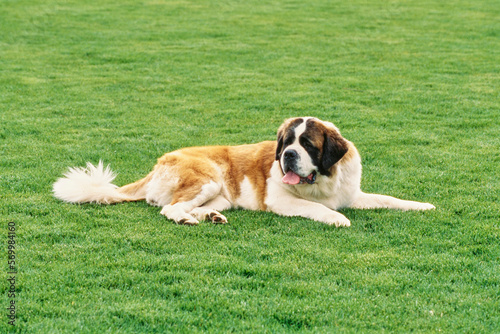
291, 177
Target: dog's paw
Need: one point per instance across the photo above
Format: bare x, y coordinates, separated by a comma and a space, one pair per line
420, 206
337, 219
426, 206
203, 213
217, 218
187, 221
178, 215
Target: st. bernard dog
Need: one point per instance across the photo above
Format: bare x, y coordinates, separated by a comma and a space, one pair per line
310, 171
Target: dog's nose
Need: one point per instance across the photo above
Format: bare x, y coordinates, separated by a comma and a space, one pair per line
291, 155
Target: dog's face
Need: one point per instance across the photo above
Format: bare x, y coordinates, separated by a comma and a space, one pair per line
306, 147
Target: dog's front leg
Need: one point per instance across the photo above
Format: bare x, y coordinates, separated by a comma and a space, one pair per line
290, 206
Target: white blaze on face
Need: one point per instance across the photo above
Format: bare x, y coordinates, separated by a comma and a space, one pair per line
304, 165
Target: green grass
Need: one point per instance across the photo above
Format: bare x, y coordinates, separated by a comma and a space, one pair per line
415, 84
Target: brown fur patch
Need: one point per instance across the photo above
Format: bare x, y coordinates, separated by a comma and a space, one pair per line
193, 169
315, 132
197, 166
253, 161
136, 189
351, 153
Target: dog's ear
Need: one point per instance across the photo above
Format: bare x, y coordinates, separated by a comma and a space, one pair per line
279, 147
334, 148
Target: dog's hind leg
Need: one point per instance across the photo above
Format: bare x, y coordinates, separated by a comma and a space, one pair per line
374, 201
183, 203
210, 210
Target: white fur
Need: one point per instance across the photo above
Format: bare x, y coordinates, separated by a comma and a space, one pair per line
91, 184
181, 212
285, 201
210, 210
372, 201
159, 189
248, 197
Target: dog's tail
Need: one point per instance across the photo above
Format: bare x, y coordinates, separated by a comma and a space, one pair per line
94, 185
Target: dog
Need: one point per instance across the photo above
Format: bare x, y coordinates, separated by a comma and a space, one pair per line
310, 171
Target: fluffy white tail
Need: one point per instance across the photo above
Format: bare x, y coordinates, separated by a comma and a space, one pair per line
91, 184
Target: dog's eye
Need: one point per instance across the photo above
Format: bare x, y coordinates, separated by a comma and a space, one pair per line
288, 141
306, 144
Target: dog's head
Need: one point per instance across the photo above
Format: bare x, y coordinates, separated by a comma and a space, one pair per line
308, 146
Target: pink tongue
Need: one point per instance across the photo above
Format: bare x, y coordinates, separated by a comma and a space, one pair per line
291, 178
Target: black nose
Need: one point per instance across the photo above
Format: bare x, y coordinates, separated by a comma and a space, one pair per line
291, 155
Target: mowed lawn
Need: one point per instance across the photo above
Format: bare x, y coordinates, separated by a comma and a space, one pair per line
414, 84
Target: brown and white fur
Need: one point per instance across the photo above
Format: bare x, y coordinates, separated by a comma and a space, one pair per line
310, 171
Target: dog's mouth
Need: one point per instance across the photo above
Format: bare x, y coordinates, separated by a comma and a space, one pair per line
292, 178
